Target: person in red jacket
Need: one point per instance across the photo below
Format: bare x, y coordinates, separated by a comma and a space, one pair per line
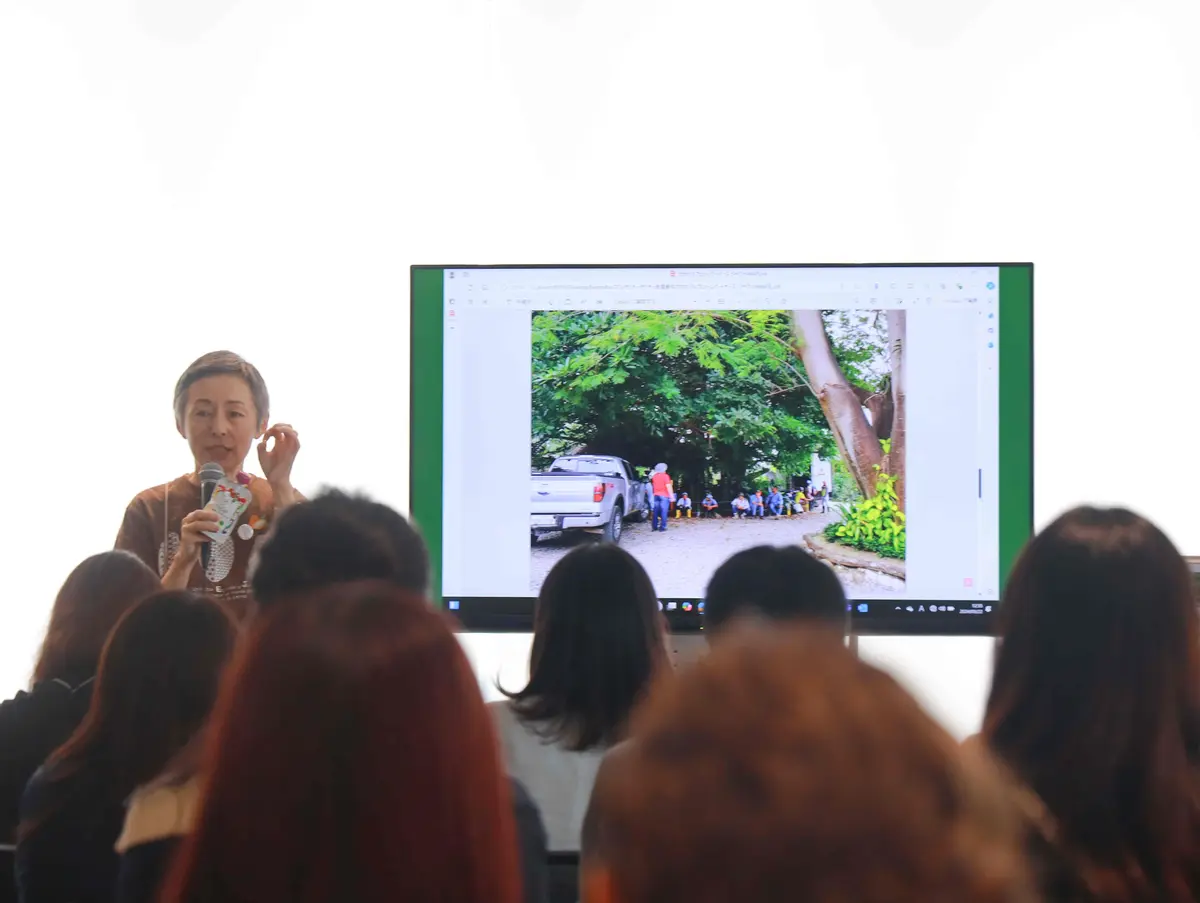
663, 491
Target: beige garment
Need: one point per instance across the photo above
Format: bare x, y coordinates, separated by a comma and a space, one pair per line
159, 812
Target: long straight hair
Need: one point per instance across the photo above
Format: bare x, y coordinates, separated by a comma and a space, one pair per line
1095, 700
157, 682
598, 640
352, 758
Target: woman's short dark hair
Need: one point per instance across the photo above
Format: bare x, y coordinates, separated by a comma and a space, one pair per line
1095, 700
598, 639
156, 684
775, 583
338, 538
92, 599
783, 768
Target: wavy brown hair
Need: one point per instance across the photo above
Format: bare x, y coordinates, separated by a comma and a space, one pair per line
92, 599
1095, 701
781, 768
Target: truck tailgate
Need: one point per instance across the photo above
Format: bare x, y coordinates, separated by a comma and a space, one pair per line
554, 493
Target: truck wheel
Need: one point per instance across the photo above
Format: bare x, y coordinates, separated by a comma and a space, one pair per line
612, 530
642, 515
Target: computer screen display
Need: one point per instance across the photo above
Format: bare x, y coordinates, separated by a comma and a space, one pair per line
879, 417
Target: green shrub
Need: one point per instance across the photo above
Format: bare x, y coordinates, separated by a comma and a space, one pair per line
873, 525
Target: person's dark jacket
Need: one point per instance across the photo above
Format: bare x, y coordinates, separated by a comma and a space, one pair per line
70, 824
32, 725
158, 820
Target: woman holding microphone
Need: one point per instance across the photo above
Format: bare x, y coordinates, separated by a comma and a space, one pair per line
221, 408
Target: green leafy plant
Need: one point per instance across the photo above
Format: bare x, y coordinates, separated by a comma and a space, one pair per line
876, 524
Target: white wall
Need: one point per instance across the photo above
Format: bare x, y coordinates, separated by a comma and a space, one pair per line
259, 174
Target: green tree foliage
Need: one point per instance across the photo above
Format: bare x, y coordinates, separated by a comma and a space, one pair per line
719, 395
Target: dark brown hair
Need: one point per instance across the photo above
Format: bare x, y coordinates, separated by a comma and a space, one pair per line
781, 768
92, 599
597, 642
223, 363
156, 684
351, 757
1095, 700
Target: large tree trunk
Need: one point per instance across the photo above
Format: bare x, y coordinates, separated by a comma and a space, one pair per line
880, 404
856, 440
897, 338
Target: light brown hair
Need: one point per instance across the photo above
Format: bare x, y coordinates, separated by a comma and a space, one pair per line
223, 363
781, 768
91, 601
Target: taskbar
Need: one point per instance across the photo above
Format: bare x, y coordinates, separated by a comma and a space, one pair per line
514, 614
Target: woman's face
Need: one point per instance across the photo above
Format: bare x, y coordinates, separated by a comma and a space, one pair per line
219, 421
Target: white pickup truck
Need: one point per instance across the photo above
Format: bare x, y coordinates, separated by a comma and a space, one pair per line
595, 493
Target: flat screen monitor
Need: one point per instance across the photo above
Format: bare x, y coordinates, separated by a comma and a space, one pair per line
878, 416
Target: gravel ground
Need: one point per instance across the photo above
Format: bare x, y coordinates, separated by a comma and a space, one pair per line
681, 560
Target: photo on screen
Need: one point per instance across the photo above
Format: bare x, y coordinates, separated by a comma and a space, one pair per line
743, 427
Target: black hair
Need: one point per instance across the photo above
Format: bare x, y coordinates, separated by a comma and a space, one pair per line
597, 642
338, 538
776, 583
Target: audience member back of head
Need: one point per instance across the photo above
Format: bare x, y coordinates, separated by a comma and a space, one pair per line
772, 583
598, 640
336, 538
351, 758
32, 725
156, 682
783, 769
1095, 703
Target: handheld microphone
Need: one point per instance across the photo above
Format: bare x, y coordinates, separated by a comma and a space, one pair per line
210, 474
